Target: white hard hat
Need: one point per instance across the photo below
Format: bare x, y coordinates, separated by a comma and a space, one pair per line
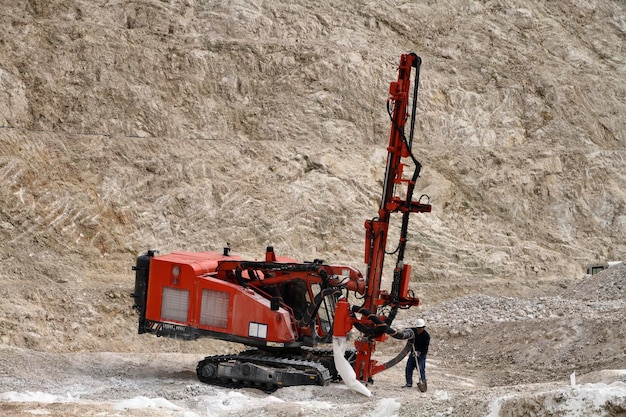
420, 323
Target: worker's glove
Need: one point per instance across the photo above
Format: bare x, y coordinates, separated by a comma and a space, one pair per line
417, 354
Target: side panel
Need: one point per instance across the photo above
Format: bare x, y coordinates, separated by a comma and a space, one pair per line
184, 301
170, 292
240, 312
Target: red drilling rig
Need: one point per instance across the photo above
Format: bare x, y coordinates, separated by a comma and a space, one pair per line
286, 312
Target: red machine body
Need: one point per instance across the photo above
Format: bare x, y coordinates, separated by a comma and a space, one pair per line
191, 295
185, 291
284, 309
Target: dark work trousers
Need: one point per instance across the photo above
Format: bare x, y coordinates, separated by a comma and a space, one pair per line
411, 364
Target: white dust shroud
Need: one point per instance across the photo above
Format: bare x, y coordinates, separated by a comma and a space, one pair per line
345, 369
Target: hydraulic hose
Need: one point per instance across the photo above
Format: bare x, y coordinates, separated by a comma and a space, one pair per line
311, 311
380, 326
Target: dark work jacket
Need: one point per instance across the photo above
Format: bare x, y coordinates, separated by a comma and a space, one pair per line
421, 341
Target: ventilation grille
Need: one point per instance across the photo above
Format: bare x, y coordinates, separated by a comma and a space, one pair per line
214, 310
175, 304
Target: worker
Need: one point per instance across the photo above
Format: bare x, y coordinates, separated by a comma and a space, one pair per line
417, 357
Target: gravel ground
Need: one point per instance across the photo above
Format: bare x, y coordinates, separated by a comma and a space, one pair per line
490, 356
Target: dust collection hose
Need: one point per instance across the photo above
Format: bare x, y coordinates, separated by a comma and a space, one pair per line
343, 367
382, 327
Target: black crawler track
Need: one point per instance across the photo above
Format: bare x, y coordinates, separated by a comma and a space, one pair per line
321, 355
326, 358
267, 373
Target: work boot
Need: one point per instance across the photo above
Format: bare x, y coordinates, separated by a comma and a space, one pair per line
422, 386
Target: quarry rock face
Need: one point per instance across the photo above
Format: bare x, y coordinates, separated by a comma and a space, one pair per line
187, 125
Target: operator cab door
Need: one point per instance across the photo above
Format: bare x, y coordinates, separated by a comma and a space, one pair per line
299, 295
325, 315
